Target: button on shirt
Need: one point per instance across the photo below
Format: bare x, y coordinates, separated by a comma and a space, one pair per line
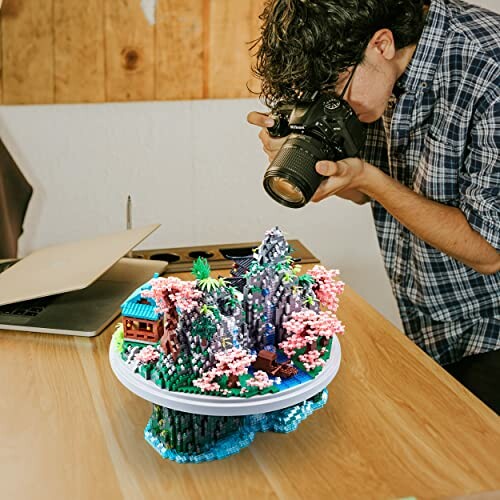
441, 138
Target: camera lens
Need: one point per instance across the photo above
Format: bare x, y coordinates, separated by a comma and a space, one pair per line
286, 190
291, 178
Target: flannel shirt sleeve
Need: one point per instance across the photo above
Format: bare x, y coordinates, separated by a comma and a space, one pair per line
480, 177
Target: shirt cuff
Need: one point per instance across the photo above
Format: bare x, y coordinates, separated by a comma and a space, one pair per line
488, 226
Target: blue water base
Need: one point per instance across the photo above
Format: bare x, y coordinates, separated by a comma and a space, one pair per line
284, 421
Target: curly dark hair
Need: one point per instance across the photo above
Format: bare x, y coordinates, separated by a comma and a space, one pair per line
305, 44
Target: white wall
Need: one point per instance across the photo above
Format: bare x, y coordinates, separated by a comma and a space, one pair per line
195, 167
493, 5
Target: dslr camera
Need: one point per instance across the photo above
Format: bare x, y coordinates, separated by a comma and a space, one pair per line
319, 127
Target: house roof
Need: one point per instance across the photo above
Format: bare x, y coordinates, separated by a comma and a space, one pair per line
132, 308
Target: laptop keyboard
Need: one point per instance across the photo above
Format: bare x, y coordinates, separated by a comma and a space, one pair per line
5, 265
27, 308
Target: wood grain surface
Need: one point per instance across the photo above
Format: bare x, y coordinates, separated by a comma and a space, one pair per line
395, 425
130, 52
67, 51
79, 71
181, 49
232, 24
27, 52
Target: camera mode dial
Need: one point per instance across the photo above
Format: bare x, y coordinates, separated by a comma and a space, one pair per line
331, 105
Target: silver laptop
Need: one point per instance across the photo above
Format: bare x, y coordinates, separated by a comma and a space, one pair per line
75, 288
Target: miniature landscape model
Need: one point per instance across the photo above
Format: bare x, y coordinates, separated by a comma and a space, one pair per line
260, 331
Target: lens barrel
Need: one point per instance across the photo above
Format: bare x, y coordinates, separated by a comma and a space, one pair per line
291, 178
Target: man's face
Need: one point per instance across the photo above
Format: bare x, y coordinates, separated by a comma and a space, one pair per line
369, 90
374, 78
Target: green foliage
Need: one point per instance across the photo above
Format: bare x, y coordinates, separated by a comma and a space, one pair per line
209, 284
158, 378
207, 310
244, 379
204, 327
145, 371
306, 279
118, 337
310, 300
280, 266
254, 268
232, 301
201, 269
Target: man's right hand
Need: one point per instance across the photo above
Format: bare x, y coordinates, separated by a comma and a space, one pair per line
271, 145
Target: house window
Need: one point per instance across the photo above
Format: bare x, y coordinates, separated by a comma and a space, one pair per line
140, 325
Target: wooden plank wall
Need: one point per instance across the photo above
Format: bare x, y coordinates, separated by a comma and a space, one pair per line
74, 51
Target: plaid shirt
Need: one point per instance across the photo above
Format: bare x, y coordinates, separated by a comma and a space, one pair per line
441, 138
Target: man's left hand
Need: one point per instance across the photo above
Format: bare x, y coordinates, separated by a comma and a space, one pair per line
343, 174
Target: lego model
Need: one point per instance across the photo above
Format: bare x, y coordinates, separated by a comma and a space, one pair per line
256, 333
266, 361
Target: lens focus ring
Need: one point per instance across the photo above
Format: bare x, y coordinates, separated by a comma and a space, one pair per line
295, 162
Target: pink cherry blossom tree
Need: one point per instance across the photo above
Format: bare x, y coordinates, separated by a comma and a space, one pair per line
260, 379
327, 288
312, 359
232, 363
173, 292
307, 329
147, 355
172, 295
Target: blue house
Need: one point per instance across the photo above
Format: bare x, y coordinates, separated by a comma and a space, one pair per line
141, 321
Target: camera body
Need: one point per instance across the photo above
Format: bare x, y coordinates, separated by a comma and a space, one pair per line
319, 127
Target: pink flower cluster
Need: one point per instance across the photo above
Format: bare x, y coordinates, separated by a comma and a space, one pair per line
312, 359
182, 294
260, 380
206, 383
147, 355
234, 361
327, 288
306, 326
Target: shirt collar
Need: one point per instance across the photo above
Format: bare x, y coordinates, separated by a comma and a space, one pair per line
422, 67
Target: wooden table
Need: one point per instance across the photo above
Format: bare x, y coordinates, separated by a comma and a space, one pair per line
395, 425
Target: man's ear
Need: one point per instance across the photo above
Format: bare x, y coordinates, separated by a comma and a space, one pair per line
382, 44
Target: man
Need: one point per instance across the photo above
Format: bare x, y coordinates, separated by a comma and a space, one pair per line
426, 78
15, 195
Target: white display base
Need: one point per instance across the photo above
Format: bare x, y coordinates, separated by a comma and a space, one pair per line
225, 406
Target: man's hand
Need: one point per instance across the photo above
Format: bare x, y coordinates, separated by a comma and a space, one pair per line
344, 177
271, 145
